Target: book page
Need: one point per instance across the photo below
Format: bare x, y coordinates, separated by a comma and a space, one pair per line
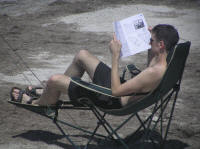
120, 36
133, 34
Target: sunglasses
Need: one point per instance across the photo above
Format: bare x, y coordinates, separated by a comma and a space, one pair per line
151, 40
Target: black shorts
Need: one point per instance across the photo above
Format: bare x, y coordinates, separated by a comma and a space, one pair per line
102, 77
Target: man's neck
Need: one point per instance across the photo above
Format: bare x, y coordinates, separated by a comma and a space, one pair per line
159, 58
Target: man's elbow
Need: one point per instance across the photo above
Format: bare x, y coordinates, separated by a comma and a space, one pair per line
115, 92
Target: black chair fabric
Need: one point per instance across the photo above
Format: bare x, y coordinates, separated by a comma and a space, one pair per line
172, 75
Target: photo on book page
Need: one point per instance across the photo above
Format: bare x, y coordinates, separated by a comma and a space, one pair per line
133, 34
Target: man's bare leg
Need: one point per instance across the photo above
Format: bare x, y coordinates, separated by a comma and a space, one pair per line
82, 62
58, 84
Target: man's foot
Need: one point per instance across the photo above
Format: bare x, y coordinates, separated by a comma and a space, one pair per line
19, 95
34, 91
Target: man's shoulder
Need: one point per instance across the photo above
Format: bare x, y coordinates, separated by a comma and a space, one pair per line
155, 71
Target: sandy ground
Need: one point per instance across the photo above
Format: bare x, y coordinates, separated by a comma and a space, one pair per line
46, 35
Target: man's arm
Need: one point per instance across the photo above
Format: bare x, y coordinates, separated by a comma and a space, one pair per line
115, 48
143, 82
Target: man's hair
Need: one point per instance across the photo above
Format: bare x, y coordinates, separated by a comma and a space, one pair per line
168, 34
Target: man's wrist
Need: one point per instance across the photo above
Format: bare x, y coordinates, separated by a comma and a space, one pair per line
115, 57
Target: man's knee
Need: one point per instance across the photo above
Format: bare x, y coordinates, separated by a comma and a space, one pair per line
81, 56
57, 79
53, 79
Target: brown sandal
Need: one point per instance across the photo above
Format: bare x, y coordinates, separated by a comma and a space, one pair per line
21, 92
32, 92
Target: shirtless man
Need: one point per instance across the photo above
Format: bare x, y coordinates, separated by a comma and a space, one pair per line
163, 39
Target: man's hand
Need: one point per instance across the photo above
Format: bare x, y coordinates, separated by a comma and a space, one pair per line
115, 47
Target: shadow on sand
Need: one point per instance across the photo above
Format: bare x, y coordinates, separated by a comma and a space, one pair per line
132, 141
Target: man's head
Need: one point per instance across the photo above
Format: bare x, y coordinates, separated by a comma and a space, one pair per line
166, 33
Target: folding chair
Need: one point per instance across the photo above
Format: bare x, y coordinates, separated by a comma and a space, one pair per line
159, 98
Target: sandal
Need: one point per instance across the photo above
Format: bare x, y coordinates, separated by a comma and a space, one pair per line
20, 97
32, 92
20, 94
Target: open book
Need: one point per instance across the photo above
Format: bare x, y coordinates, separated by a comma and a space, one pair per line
133, 34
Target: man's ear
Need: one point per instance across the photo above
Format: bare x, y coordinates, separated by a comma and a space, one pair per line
162, 44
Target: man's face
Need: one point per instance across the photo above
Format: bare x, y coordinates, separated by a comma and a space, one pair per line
154, 43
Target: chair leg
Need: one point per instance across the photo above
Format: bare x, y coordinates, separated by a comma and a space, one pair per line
141, 122
108, 127
163, 105
66, 136
91, 137
123, 123
148, 131
170, 118
94, 132
101, 119
56, 121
